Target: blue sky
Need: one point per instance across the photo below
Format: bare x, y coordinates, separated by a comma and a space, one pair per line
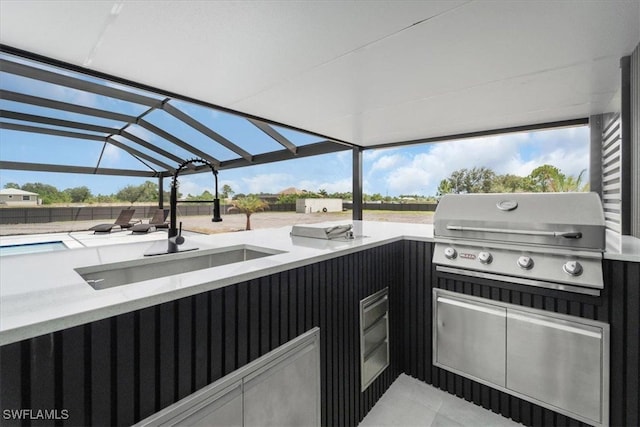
408, 170
413, 169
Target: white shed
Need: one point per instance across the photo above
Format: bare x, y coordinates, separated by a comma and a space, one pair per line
15, 197
318, 205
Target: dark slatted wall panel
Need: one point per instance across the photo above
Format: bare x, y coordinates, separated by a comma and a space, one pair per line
623, 279
417, 309
618, 305
634, 141
120, 370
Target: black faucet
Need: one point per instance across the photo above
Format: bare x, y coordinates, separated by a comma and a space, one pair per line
175, 233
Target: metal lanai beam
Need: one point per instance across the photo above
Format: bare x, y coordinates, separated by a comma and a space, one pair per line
150, 146
277, 136
324, 147
56, 122
86, 136
68, 134
75, 83
65, 106
177, 141
43, 167
206, 131
136, 153
84, 126
48, 131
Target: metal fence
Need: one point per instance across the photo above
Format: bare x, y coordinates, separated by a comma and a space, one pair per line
43, 214
423, 207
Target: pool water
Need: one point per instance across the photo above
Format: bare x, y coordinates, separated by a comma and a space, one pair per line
30, 248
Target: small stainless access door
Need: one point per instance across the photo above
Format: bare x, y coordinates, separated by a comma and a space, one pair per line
469, 338
559, 362
374, 336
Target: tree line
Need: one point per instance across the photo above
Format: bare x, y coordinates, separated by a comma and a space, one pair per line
145, 192
545, 178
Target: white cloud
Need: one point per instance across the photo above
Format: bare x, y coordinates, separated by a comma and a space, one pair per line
340, 186
420, 173
570, 162
194, 185
267, 183
111, 154
370, 155
388, 162
412, 179
344, 157
425, 170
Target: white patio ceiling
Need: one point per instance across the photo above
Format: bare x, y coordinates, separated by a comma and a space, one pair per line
366, 72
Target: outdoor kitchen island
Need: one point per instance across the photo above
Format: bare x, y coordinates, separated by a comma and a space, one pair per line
116, 356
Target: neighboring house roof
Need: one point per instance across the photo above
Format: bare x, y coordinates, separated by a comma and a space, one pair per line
16, 192
291, 190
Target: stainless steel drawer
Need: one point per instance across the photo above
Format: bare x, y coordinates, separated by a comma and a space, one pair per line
374, 336
376, 362
375, 310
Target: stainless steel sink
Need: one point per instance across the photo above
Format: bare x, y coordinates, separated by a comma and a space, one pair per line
123, 273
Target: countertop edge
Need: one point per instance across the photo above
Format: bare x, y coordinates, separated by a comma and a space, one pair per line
35, 329
628, 251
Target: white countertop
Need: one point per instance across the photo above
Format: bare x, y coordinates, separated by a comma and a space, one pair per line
42, 293
623, 248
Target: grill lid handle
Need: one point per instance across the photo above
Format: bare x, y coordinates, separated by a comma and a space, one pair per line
565, 234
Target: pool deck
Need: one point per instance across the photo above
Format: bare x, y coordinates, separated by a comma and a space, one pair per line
84, 239
230, 223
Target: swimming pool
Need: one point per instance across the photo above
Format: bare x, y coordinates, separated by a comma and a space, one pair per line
30, 248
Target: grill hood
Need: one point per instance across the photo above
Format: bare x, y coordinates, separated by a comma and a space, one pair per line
563, 220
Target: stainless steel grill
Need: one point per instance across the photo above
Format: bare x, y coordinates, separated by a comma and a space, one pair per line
553, 240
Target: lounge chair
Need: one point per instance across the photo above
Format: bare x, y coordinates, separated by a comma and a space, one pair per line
123, 221
159, 220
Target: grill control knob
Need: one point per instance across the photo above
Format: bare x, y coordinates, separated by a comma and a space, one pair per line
485, 257
450, 253
525, 262
574, 268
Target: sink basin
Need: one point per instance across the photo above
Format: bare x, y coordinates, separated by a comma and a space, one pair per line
123, 273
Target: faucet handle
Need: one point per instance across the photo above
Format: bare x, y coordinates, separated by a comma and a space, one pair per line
178, 239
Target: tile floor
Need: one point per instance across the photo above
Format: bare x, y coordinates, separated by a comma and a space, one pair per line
410, 402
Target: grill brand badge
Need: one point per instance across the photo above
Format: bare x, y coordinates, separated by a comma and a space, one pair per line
467, 256
507, 205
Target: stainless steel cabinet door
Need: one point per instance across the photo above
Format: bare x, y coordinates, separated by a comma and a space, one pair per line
225, 411
215, 405
469, 339
285, 392
559, 362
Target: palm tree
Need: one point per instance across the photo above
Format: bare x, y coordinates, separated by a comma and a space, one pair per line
574, 184
249, 205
